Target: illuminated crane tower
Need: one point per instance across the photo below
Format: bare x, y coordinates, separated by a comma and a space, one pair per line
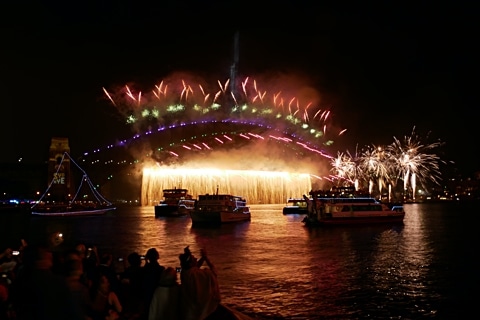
233, 68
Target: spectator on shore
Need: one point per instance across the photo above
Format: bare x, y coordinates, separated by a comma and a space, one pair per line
4, 253
131, 281
91, 264
81, 249
106, 268
78, 288
165, 300
105, 303
200, 295
4, 296
152, 271
7, 261
38, 293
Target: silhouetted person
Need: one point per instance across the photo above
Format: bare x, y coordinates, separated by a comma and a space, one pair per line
4, 296
106, 268
152, 271
38, 293
132, 280
105, 303
78, 288
166, 298
200, 296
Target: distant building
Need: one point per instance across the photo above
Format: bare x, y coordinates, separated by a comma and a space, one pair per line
59, 171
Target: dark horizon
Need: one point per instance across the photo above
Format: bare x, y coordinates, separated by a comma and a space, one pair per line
382, 70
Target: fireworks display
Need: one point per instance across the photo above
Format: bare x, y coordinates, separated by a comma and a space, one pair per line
174, 102
256, 186
409, 160
250, 129
189, 126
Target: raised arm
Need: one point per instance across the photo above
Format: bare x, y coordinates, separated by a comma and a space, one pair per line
204, 258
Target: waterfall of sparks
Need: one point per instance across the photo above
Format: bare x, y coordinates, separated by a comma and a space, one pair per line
414, 185
405, 182
370, 187
267, 187
380, 186
389, 193
356, 184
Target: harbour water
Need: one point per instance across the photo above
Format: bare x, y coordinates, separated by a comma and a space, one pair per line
274, 268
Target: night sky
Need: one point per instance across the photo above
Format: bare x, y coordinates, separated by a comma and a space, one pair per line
383, 69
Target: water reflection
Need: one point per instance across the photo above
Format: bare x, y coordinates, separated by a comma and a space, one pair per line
275, 268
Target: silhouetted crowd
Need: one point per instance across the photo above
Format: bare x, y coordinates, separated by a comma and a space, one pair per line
82, 283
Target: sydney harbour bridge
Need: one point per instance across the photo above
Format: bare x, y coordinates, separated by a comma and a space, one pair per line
242, 157
266, 142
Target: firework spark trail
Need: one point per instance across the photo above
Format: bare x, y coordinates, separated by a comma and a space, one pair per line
109, 96
129, 93
244, 87
262, 95
290, 105
201, 89
161, 91
206, 98
234, 99
223, 88
326, 116
216, 96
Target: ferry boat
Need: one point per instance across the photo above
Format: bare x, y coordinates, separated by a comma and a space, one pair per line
295, 206
349, 210
176, 202
220, 208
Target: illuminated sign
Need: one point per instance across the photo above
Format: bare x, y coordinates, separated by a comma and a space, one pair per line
58, 178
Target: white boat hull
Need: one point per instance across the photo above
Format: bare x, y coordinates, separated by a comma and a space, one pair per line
93, 212
182, 208
355, 220
220, 208
351, 210
295, 206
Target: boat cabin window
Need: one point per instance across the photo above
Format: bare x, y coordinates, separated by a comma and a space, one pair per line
367, 207
169, 192
220, 197
348, 200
